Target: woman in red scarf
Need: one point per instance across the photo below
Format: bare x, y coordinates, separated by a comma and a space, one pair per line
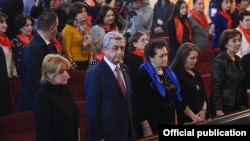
104, 23
135, 56
222, 20
199, 25
244, 28
6, 45
23, 30
179, 28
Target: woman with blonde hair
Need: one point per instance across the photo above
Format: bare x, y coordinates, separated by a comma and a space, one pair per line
55, 110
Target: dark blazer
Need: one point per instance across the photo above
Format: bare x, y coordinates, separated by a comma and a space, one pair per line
30, 71
228, 83
108, 112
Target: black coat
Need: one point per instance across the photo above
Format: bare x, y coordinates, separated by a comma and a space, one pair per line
56, 114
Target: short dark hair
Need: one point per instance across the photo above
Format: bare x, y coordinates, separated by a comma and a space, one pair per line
3, 17
101, 15
20, 21
46, 20
150, 49
76, 8
243, 14
226, 36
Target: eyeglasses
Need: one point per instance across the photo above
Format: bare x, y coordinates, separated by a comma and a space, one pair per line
143, 40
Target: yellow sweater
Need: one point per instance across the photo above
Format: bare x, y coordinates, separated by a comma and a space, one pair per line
72, 43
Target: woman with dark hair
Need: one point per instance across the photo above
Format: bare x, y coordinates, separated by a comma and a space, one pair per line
135, 57
94, 10
104, 23
199, 25
222, 20
6, 45
194, 105
228, 92
179, 28
23, 31
157, 91
76, 36
163, 9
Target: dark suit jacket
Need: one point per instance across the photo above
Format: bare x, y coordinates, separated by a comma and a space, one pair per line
30, 71
108, 112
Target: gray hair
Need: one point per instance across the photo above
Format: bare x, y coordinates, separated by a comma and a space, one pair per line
112, 35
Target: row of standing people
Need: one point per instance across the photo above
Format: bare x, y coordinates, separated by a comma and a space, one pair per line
111, 50
163, 86
161, 94
76, 43
105, 22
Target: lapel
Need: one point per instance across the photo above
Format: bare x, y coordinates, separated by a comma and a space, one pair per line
113, 80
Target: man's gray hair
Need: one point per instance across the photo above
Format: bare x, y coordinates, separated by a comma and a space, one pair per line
112, 35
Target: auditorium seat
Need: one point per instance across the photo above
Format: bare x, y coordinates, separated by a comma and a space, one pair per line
203, 66
15, 85
76, 82
166, 38
83, 120
21, 126
18, 126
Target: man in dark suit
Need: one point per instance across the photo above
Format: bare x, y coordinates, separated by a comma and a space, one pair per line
33, 55
108, 106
